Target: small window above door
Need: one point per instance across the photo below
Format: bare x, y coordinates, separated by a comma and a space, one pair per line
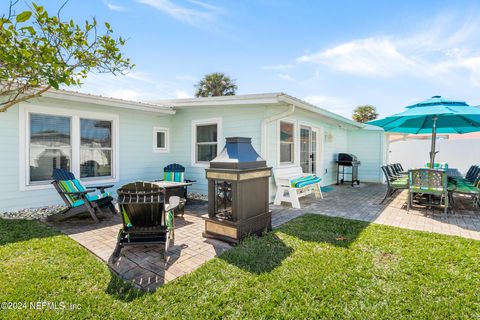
161, 139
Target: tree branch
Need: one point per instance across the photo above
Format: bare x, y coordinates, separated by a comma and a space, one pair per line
25, 98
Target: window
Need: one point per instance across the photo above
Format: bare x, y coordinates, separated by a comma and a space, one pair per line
95, 148
49, 146
84, 143
161, 139
205, 140
287, 142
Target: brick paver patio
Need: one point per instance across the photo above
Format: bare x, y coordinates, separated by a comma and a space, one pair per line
363, 203
144, 267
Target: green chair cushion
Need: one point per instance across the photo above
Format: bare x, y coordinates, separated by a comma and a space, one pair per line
169, 220
76, 186
427, 190
94, 197
467, 189
174, 176
399, 183
126, 219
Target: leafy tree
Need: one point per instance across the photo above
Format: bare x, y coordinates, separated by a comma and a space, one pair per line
215, 84
40, 51
364, 113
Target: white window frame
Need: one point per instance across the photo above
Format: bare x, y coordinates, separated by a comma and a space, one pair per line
202, 122
320, 145
166, 131
75, 116
295, 143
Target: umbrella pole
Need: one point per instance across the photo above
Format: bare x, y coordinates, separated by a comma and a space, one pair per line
434, 140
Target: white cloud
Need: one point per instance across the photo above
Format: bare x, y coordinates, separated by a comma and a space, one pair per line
285, 76
136, 86
441, 50
182, 94
196, 15
278, 67
333, 104
371, 56
116, 7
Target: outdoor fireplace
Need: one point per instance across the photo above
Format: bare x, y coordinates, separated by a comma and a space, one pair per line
237, 193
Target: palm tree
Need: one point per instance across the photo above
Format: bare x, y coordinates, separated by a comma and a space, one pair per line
364, 113
216, 84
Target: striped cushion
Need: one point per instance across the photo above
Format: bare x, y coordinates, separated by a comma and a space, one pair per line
174, 176
69, 186
93, 197
78, 185
304, 181
78, 203
75, 186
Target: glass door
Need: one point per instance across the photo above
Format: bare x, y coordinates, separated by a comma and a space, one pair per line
314, 151
306, 149
309, 145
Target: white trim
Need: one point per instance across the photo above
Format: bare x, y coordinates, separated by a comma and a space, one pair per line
108, 101
166, 131
295, 143
275, 99
75, 115
195, 123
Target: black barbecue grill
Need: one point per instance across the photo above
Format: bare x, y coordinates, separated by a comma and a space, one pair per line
347, 160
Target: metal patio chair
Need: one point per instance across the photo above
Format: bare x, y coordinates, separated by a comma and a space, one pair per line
394, 183
429, 184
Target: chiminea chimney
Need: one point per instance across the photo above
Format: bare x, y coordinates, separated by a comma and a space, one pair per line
238, 192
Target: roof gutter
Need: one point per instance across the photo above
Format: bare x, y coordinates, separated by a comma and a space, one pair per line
322, 112
110, 102
266, 121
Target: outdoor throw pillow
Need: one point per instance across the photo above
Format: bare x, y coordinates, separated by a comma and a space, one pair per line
126, 219
304, 181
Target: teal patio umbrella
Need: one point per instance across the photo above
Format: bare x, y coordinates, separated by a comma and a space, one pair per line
435, 115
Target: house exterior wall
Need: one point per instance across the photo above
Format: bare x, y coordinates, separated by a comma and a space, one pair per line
136, 159
331, 139
139, 161
242, 121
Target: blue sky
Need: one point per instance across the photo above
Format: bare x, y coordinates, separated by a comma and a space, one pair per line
336, 54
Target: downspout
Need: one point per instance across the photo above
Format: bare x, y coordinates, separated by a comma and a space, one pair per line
266, 121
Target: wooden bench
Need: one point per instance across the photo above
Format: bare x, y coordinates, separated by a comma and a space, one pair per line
286, 193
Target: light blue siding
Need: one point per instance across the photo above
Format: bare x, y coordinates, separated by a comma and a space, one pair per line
138, 161
242, 121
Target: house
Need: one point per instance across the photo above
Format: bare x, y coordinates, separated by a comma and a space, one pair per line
113, 141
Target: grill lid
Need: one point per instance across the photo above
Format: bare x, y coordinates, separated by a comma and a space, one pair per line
238, 153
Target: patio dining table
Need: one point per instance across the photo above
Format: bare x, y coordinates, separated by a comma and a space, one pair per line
173, 189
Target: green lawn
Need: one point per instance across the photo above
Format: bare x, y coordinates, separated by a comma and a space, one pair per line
313, 267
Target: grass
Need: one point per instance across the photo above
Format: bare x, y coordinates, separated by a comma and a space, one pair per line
312, 267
